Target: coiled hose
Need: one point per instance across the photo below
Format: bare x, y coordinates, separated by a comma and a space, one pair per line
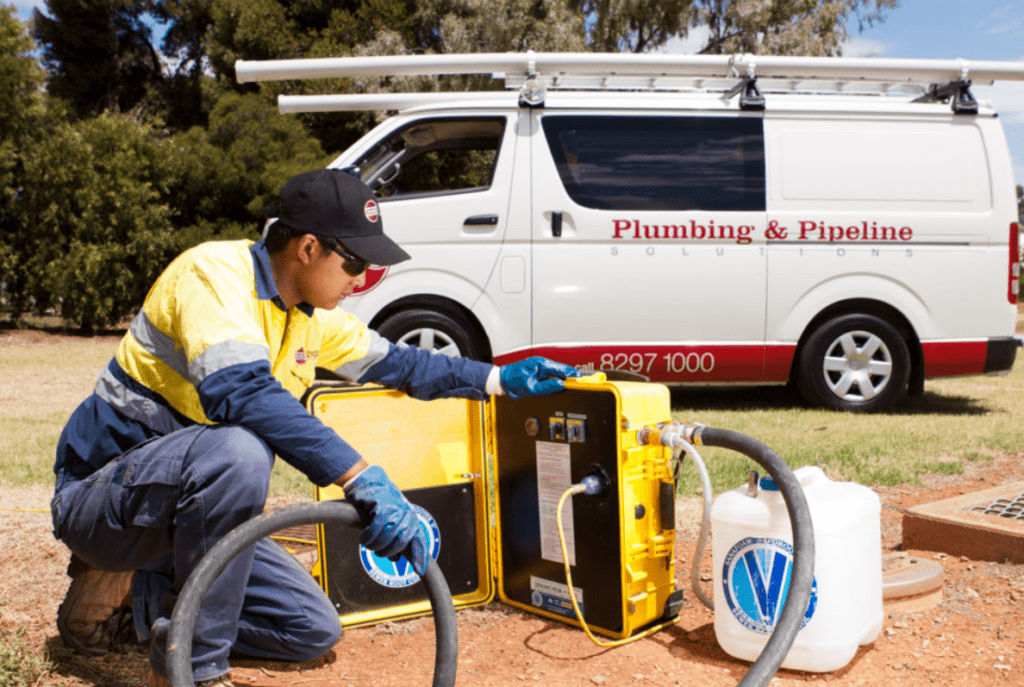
186, 610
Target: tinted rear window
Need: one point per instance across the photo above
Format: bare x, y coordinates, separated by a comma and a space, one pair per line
659, 163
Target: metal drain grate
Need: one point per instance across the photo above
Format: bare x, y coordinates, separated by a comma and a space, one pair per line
1004, 508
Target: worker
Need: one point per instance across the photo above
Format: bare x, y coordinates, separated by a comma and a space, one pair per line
175, 446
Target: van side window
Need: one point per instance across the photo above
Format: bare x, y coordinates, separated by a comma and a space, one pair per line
659, 163
433, 156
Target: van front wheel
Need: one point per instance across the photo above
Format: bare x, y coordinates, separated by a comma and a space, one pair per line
858, 363
438, 332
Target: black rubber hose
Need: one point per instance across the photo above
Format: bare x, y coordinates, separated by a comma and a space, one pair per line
802, 579
186, 610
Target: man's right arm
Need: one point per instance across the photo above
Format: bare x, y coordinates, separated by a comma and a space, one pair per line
247, 394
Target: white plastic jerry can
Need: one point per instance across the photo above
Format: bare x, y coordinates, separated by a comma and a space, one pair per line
752, 550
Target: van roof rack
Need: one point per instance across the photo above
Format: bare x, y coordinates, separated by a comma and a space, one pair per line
533, 73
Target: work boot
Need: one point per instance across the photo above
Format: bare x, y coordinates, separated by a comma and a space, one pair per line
155, 680
96, 614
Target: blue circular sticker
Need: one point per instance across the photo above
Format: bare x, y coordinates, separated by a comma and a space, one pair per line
400, 573
755, 578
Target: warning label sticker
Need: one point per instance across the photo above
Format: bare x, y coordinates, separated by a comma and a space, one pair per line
553, 479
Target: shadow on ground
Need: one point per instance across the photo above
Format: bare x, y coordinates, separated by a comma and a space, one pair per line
687, 399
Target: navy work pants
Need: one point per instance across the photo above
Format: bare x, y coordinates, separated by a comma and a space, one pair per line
158, 509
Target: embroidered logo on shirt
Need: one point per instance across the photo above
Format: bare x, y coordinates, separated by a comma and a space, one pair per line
300, 356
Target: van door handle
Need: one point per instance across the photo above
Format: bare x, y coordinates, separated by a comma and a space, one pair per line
481, 221
556, 224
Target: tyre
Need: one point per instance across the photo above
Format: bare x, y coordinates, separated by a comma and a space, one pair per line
857, 363
439, 332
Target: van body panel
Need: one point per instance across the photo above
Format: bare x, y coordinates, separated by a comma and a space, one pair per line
505, 307
909, 211
592, 273
954, 358
617, 242
428, 225
422, 281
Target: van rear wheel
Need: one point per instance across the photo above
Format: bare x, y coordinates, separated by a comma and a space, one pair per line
439, 332
857, 363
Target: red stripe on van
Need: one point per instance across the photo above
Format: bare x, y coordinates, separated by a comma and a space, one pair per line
673, 363
954, 358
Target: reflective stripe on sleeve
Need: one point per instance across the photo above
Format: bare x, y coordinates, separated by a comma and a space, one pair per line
158, 344
378, 350
223, 355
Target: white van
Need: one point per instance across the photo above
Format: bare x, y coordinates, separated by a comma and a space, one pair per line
847, 225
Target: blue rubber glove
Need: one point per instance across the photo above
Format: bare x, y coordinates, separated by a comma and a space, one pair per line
393, 526
535, 376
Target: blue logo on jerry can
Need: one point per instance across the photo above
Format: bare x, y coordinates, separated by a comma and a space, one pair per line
399, 573
755, 578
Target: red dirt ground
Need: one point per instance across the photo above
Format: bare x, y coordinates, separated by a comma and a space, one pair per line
974, 635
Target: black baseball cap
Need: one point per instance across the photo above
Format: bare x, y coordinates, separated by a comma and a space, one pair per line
337, 205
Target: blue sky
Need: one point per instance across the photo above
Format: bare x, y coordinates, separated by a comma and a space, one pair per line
936, 29
975, 30
939, 29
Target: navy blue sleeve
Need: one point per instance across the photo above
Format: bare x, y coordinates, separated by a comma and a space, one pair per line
248, 395
426, 376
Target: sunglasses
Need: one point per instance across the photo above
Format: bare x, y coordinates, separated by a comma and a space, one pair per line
353, 265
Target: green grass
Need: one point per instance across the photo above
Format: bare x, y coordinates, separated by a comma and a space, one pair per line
956, 422
20, 665
41, 384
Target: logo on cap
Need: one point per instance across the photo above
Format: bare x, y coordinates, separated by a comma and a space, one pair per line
370, 210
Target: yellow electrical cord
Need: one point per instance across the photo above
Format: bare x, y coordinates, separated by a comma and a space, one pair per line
576, 489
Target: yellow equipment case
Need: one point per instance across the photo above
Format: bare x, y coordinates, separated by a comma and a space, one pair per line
486, 478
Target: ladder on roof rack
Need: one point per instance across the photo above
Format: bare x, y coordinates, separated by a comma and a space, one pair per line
533, 73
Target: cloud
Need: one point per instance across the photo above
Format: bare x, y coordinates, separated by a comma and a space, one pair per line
1007, 99
695, 40
861, 47
1005, 21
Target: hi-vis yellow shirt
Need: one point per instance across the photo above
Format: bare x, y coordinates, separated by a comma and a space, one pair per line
205, 313
214, 343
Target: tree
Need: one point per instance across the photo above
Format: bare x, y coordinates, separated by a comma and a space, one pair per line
778, 27
90, 194
20, 76
23, 118
445, 26
784, 27
224, 176
283, 29
98, 53
634, 25
468, 26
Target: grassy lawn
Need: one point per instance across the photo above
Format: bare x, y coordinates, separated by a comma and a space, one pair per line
956, 421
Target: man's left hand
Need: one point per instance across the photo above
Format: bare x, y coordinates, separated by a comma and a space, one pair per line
535, 376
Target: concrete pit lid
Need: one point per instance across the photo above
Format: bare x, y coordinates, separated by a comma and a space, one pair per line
986, 525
